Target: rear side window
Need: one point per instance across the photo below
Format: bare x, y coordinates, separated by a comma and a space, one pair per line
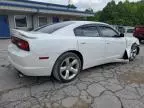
53, 27
87, 31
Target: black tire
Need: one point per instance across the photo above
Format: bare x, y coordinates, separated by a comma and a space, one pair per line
133, 47
56, 69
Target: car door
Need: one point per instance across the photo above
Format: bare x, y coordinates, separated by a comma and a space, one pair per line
90, 44
114, 44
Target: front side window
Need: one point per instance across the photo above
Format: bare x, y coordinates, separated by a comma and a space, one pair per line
121, 29
42, 20
108, 32
87, 31
21, 21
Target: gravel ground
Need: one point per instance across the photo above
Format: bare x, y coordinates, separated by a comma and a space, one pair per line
115, 85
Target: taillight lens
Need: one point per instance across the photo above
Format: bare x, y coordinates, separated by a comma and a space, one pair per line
20, 43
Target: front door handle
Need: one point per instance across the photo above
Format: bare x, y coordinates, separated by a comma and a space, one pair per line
107, 43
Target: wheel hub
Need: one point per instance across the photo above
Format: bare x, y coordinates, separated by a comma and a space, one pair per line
133, 52
69, 68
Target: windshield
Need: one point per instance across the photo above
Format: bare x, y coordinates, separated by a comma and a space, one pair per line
130, 30
52, 27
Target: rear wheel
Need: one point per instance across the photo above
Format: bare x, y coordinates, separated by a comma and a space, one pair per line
67, 67
134, 52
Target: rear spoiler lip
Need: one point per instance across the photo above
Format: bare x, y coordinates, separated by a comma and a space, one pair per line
27, 36
15, 31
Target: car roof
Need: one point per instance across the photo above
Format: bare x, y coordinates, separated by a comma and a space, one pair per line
89, 22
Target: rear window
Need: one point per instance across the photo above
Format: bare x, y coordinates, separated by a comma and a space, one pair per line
52, 27
130, 30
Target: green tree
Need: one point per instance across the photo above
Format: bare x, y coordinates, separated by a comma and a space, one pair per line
123, 13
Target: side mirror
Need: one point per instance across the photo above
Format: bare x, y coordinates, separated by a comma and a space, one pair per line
121, 35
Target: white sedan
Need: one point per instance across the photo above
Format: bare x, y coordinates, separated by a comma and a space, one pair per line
64, 49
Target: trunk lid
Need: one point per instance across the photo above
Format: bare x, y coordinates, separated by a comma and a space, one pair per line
25, 40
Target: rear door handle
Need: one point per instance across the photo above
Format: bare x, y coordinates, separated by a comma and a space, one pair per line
107, 43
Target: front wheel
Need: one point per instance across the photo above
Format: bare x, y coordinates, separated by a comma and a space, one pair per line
134, 52
67, 67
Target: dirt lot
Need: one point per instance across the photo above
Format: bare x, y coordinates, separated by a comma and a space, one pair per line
115, 85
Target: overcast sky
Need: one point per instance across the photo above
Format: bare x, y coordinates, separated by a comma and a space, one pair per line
83, 4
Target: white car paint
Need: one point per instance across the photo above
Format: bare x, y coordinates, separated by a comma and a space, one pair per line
88, 47
95, 51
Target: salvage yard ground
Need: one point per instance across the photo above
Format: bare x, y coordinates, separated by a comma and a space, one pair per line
115, 85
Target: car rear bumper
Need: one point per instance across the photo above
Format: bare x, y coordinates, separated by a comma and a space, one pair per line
30, 71
28, 64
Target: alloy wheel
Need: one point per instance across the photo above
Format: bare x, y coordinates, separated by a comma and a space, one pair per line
133, 52
69, 68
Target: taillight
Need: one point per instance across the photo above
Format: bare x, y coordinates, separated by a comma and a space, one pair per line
20, 43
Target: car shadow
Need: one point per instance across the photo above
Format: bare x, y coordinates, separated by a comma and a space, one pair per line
43, 79
105, 66
12, 79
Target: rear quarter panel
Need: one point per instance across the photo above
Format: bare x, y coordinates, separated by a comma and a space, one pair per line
52, 47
